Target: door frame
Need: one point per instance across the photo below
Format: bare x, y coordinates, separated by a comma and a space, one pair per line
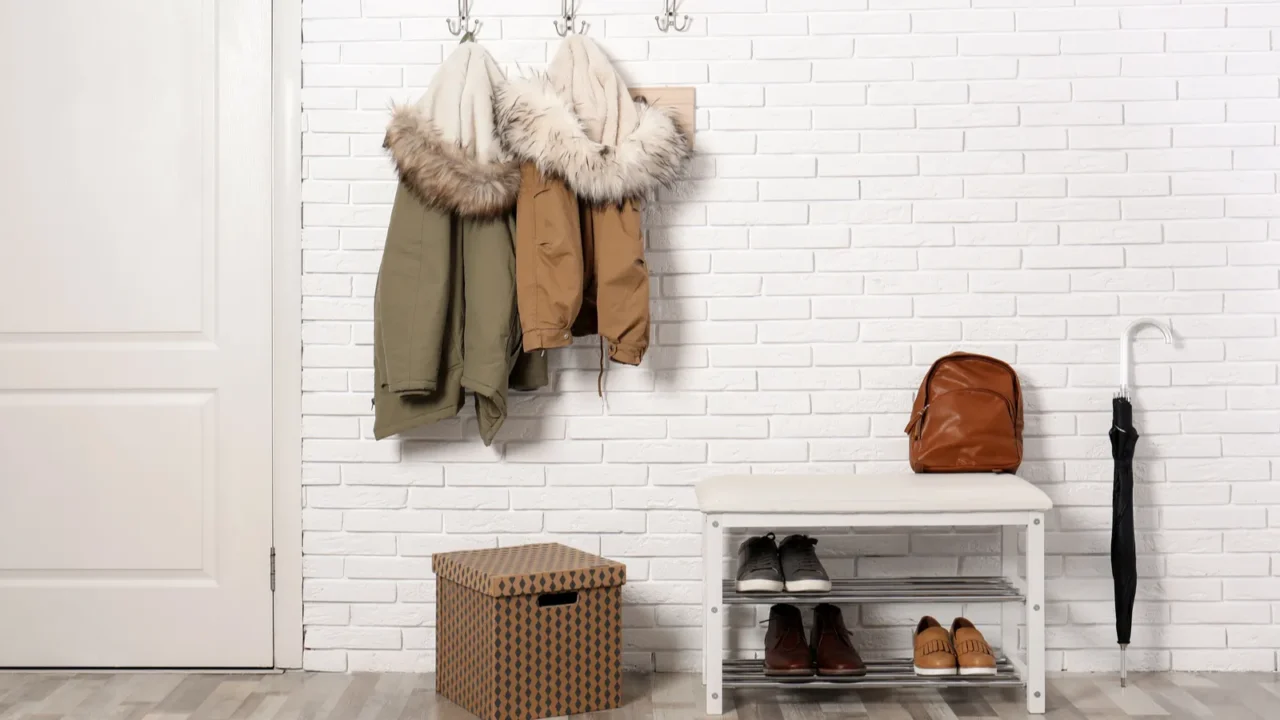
286, 319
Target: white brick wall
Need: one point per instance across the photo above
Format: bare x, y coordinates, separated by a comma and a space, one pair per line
880, 182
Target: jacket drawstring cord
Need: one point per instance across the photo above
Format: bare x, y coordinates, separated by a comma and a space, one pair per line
600, 377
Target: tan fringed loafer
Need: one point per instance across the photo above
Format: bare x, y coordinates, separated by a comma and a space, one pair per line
934, 653
973, 654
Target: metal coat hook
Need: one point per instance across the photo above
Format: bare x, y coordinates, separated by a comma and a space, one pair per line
667, 20
568, 13
463, 26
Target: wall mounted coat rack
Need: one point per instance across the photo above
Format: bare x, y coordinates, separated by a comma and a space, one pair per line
667, 20
680, 100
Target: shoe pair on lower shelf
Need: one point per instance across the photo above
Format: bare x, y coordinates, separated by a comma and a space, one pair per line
962, 651
829, 650
765, 566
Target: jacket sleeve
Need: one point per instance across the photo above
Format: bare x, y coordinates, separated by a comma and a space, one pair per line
489, 263
549, 270
411, 307
622, 281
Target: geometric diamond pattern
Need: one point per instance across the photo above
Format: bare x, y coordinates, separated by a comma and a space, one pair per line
503, 657
548, 567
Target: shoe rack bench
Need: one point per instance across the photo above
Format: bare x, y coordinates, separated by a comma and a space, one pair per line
762, 503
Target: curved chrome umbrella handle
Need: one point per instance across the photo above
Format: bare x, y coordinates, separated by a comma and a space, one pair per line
1126, 349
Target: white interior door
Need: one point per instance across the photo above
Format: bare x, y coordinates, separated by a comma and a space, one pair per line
135, 333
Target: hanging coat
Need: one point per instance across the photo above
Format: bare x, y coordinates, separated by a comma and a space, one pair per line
590, 155
445, 317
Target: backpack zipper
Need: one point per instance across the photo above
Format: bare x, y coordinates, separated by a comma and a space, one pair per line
917, 423
916, 427
957, 356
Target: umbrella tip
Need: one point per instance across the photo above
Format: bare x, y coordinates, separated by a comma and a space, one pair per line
1124, 665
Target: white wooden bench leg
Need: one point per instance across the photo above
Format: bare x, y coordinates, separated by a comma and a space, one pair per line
706, 593
1036, 690
713, 612
1009, 611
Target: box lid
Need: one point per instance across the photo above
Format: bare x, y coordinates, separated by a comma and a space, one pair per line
528, 569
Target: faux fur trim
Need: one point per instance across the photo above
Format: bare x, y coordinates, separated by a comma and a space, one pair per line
441, 174
537, 125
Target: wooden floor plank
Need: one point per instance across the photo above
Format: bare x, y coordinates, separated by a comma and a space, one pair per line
313, 696
1133, 700
188, 695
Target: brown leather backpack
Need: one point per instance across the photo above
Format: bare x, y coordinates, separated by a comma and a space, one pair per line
967, 417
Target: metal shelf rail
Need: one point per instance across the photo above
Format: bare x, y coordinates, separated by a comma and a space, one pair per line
887, 674
1025, 668
887, 590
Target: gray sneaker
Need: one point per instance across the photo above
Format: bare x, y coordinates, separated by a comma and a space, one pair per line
759, 569
801, 567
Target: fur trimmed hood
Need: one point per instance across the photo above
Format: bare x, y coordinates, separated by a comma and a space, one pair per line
445, 146
578, 122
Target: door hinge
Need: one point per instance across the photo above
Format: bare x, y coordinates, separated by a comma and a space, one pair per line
273, 569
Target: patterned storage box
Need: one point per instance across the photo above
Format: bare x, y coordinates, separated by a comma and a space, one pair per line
529, 632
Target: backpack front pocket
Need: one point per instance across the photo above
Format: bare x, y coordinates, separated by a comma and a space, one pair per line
968, 429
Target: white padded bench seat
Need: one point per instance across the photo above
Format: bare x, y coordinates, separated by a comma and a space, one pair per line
871, 493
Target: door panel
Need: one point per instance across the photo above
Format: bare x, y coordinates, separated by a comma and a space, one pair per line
112, 169
121, 446
135, 333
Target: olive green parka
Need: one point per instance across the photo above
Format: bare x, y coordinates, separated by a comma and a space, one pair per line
445, 316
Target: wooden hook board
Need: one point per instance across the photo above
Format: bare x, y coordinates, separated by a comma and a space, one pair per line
682, 100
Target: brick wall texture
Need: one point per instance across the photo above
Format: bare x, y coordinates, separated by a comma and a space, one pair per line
878, 182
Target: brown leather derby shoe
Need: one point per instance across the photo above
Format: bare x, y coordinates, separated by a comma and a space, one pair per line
786, 654
832, 646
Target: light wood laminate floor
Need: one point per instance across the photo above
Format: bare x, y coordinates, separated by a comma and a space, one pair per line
313, 696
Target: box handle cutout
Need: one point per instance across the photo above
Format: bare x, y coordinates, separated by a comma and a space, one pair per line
557, 599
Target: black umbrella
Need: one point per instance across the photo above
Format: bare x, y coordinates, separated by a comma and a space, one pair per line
1124, 553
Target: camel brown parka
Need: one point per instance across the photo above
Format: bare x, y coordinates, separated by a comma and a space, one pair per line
590, 155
